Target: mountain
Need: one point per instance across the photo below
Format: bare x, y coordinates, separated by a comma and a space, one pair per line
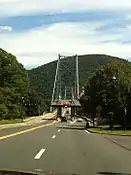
42, 78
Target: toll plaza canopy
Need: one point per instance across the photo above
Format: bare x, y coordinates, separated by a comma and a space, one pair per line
68, 103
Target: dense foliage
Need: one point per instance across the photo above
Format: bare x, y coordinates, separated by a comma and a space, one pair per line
27, 93
16, 97
108, 91
42, 78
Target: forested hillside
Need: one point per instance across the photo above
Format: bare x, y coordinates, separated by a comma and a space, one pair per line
42, 78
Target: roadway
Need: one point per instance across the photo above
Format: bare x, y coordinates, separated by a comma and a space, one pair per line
51, 148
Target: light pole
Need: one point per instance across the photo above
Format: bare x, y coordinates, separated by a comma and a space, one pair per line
125, 108
25, 103
125, 113
111, 116
22, 117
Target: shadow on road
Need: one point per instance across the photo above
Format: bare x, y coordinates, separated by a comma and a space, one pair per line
69, 125
112, 173
73, 128
49, 119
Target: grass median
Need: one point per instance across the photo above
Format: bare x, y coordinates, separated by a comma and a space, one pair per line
26, 119
2, 122
17, 120
115, 131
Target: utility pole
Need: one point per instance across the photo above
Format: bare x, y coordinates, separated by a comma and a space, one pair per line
77, 77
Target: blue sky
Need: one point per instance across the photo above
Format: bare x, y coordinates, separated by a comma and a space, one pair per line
21, 23
37, 32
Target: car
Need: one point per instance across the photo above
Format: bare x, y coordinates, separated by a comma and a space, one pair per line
80, 120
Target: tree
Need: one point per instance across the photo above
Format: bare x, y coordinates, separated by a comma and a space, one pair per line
109, 92
33, 103
3, 111
14, 83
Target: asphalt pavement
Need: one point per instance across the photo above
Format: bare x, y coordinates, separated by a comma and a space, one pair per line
123, 141
17, 128
64, 151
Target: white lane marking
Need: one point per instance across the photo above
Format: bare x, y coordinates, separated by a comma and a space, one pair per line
54, 136
87, 131
59, 130
39, 154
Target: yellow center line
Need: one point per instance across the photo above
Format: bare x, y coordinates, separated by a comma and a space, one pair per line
27, 130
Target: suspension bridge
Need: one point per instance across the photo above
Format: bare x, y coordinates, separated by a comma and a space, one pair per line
66, 90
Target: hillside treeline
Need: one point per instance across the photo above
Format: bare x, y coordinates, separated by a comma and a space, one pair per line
42, 78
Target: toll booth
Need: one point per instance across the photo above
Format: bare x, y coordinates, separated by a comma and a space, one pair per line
59, 111
59, 104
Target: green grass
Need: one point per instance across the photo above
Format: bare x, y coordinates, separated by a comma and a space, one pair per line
13, 121
2, 122
106, 130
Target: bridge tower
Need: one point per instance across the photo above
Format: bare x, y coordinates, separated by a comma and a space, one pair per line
66, 84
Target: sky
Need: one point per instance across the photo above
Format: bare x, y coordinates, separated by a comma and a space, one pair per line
36, 31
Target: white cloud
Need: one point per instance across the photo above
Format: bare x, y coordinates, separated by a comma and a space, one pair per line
129, 27
5, 28
24, 7
41, 45
128, 17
